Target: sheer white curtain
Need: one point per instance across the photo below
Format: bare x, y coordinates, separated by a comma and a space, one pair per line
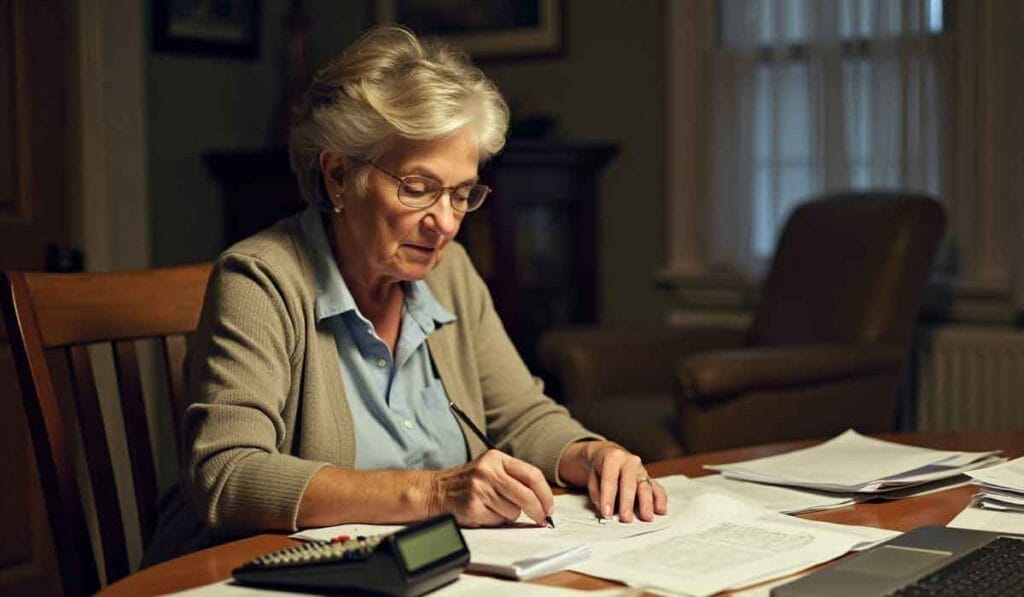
810, 97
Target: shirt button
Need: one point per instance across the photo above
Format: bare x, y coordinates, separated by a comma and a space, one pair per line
382, 363
407, 423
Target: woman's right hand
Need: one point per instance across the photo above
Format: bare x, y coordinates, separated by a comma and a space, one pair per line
491, 490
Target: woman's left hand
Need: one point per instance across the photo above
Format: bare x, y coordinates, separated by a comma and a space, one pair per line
615, 479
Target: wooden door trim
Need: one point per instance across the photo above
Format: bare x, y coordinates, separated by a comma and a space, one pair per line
20, 212
111, 148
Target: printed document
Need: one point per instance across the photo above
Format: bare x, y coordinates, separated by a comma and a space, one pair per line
786, 500
709, 541
982, 519
507, 553
719, 543
1008, 476
852, 462
682, 489
520, 552
999, 504
466, 586
574, 520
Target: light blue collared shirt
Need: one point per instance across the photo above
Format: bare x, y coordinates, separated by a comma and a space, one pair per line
399, 407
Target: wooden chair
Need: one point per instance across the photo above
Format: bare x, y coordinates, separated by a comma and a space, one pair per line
51, 320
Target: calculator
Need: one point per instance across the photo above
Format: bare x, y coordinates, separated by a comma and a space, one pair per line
413, 561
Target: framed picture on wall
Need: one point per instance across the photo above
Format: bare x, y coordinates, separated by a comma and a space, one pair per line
226, 28
485, 28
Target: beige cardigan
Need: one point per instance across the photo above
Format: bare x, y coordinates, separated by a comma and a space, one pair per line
268, 402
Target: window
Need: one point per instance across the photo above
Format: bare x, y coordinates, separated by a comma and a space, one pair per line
830, 96
770, 102
767, 23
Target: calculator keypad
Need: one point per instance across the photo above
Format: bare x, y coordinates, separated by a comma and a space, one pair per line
318, 552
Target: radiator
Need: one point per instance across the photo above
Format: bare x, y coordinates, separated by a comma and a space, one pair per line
970, 378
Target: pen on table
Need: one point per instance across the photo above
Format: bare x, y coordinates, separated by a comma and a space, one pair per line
480, 434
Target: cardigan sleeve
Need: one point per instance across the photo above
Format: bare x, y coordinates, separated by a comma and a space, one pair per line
521, 419
240, 385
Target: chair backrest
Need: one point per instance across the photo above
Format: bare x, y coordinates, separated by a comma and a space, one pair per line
850, 268
51, 320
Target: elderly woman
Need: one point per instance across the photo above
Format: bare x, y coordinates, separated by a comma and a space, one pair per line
332, 344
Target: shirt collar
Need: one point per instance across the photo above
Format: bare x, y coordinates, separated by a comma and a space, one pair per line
424, 308
332, 294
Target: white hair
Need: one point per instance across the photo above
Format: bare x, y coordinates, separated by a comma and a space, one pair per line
386, 84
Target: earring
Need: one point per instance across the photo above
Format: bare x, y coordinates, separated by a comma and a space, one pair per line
337, 206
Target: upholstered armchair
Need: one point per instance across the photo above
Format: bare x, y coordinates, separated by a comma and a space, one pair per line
825, 351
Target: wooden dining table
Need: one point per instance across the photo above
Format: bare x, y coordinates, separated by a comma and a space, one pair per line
216, 563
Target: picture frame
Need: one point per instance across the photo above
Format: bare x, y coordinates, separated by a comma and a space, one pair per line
216, 28
487, 29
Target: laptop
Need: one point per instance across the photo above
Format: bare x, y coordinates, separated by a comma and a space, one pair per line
925, 561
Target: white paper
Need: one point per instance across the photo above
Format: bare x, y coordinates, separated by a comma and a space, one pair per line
525, 550
763, 589
521, 551
352, 530
993, 504
519, 558
574, 519
1009, 475
725, 539
980, 519
773, 497
467, 585
932, 473
853, 462
227, 588
470, 585
865, 537
922, 489
719, 542
1003, 495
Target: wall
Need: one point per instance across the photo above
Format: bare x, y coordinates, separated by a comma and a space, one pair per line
605, 87
196, 104
608, 87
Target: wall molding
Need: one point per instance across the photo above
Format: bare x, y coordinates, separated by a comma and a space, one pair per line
113, 224
111, 204
688, 38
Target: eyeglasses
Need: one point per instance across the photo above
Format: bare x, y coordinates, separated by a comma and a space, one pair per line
420, 192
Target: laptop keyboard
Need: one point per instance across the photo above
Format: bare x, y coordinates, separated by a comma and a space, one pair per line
995, 569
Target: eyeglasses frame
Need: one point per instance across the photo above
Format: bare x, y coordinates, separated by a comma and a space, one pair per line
440, 193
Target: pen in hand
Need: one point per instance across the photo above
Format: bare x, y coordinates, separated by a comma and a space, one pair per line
461, 414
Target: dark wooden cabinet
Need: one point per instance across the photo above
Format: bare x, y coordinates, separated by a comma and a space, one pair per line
257, 189
534, 242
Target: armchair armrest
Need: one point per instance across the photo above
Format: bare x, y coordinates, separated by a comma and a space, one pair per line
713, 376
593, 362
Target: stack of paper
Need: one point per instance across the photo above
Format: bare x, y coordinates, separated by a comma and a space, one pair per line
708, 542
1002, 487
719, 543
792, 500
466, 586
521, 557
785, 500
856, 465
999, 504
516, 552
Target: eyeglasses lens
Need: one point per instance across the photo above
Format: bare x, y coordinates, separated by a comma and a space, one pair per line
419, 191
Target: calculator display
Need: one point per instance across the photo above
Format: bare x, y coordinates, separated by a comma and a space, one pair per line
424, 547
